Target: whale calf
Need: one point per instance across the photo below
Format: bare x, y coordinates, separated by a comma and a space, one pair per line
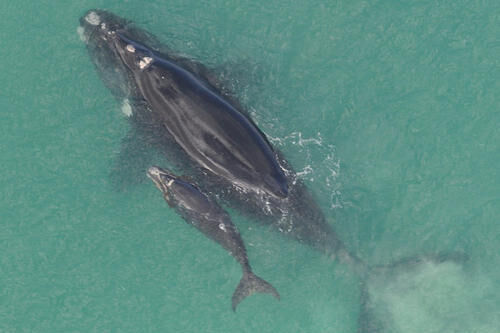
208, 217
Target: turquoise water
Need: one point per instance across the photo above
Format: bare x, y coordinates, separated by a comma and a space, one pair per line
389, 110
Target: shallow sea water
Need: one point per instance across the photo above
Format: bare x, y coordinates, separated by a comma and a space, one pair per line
388, 110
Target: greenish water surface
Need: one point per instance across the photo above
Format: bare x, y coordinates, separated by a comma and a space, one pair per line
389, 110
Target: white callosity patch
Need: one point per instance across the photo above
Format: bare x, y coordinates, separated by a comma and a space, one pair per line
154, 171
145, 62
93, 18
222, 227
126, 108
131, 48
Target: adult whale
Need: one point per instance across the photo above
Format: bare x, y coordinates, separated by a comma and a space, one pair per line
185, 112
209, 129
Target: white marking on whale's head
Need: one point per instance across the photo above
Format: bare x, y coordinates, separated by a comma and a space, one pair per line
103, 26
153, 172
130, 48
222, 227
158, 177
93, 18
126, 108
145, 62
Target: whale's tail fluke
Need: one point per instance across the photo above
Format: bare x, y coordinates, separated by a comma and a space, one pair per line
249, 284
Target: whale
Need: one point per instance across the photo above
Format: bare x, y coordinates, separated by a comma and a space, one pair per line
182, 109
200, 211
209, 129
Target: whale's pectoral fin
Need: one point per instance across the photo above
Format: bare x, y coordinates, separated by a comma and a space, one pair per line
249, 284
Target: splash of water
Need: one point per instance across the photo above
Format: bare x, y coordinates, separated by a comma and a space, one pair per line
318, 164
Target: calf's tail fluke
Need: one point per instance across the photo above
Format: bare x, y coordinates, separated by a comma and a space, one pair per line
249, 284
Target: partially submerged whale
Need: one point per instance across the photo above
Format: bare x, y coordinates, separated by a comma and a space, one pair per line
177, 106
185, 112
210, 130
207, 216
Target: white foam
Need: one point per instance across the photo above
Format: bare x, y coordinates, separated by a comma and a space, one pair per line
318, 162
295, 138
306, 171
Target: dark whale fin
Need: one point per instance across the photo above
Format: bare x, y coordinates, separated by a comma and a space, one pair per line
249, 284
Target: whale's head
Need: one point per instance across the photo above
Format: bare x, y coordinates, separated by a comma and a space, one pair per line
99, 27
179, 192
112, 45
162, 178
